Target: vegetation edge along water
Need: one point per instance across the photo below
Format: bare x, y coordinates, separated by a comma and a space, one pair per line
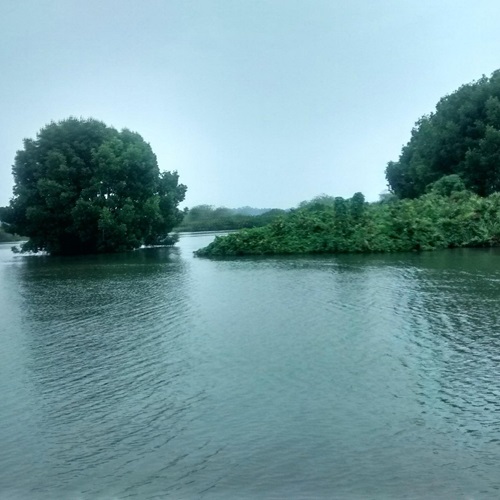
445, 188
337, 225
84, 187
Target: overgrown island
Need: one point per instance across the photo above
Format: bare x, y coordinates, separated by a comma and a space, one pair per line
444, 192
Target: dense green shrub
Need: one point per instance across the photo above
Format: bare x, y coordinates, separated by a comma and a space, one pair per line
433, 221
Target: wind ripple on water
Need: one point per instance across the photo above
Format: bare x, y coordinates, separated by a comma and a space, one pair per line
158, 375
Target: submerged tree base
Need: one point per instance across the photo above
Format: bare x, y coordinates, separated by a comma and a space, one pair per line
82, 187
336, 225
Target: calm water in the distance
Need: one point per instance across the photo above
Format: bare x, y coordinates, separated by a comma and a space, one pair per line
155, 374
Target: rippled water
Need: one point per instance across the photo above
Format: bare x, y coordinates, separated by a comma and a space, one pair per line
155, 374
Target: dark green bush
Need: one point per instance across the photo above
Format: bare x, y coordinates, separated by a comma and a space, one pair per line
430, 222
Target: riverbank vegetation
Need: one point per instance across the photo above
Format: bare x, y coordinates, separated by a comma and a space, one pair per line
444, 192
209, 218
336, 225
83, 187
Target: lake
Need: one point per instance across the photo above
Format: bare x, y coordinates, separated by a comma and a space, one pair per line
155, 374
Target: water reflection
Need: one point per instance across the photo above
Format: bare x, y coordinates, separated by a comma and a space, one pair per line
109, 366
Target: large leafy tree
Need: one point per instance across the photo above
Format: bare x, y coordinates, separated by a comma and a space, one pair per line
83, 187
462, 137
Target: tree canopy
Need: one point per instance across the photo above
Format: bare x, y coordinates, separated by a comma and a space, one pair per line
84, 187
462, 138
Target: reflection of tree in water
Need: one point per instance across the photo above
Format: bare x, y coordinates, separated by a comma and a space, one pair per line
109, 362
91, 307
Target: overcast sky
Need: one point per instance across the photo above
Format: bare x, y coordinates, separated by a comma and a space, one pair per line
253, 102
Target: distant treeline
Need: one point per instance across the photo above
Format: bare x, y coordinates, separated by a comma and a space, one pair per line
6, 237
209, 218
336, 225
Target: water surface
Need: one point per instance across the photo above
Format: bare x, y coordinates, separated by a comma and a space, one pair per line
155, 374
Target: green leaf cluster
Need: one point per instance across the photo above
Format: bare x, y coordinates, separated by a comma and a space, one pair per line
462, 137
433, 221
83, 187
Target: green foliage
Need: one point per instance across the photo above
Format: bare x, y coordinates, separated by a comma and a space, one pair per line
208, 218
462, 137
430, 222
447, 185
83, 187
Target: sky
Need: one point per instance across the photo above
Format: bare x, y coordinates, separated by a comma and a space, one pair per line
253, 102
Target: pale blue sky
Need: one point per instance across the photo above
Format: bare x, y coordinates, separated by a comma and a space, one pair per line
262, 103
